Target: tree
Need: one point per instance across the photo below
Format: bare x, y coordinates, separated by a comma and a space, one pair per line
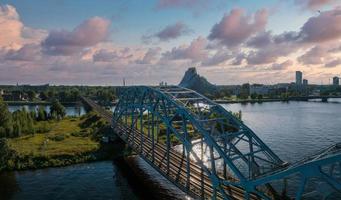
6, 125
31, 95
42, 114
43, 96
253, 96
23, 123
57, 110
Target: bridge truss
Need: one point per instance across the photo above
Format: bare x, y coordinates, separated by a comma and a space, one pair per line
209, 153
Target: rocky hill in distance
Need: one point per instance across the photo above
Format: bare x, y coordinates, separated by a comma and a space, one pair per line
194, 81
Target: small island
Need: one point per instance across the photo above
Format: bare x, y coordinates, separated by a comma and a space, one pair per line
39, 139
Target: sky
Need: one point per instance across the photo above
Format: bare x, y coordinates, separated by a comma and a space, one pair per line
145, 42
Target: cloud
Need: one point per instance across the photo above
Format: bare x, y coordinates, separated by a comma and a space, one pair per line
170, 32
322, 28
29, 52
10, 27
333, 63
166, 4
105, 55
87, 34
313, 56
235, 27
196, 51
260, 40
150, 57
238, 60
281, 66
269, 53
218, 58
314, 4
14, 34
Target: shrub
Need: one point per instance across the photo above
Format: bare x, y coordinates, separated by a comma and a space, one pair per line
57, 138
43, 127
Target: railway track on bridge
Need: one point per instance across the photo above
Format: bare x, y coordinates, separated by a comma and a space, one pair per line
199, 184
250, 174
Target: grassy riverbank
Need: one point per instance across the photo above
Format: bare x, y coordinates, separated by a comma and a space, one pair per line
67, 141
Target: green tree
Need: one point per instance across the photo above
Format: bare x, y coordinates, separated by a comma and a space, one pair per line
6, 125
253, 96
31, 95
23, 123
42, 114
43, 96
57, 110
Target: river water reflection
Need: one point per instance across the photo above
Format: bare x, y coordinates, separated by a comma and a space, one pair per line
75, 110
292, 130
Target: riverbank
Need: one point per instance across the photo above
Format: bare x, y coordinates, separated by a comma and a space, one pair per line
249, 100
65, 142
39, 103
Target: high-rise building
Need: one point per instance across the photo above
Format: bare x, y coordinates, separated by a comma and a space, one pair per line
305, 82
336, 80
298, 77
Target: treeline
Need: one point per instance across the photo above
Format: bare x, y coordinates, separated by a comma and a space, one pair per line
22, 122
103, 94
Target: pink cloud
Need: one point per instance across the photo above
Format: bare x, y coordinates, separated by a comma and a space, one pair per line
89, 33
150, 57
281, 66
260, 40
235, 27
324, 27
105, 55
333, 63
314, 56
10, 27
270, 53
314, 4
172, 31
29, 52
196, 51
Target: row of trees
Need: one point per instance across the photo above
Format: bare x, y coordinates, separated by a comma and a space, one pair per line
21, 122
62, 93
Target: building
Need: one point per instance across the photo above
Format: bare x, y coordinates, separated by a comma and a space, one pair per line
336, 80
305, 82
259, 89
298, 78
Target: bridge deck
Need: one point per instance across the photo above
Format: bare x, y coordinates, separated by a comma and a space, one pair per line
198, 184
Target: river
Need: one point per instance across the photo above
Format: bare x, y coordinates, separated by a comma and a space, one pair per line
69, 110
291, 129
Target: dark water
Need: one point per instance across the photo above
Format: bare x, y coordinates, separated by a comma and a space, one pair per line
99, 180
70, 110
292, 130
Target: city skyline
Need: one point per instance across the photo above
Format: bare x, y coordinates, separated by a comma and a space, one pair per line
100, 43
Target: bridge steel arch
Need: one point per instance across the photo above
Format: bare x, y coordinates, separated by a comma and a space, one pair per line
207, 151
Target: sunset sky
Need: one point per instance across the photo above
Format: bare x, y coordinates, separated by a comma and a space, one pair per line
229, 41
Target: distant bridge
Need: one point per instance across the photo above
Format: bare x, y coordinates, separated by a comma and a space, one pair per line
323, 98
208, 153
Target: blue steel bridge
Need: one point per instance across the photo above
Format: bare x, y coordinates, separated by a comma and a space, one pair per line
210, 154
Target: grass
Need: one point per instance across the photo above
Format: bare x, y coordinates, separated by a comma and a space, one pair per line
59, 143
48, 144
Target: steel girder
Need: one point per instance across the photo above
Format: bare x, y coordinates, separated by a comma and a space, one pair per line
226, 150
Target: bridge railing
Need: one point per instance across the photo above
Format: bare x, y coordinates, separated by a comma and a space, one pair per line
211, 139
